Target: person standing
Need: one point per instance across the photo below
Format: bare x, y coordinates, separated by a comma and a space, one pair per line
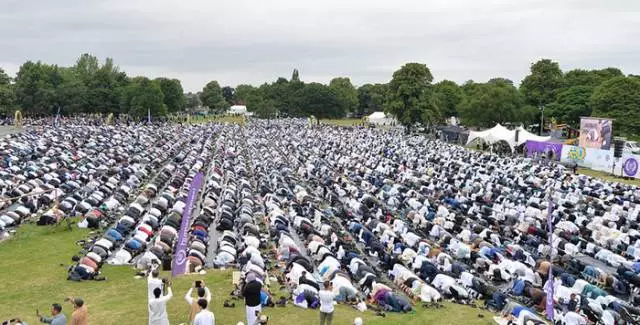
251, 293
158, 307
57, 317
203, 293
153, 282
327, 297
204, 316
80, 315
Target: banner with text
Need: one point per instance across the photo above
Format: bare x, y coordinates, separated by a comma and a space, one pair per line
180, 256
628, 166
592, 158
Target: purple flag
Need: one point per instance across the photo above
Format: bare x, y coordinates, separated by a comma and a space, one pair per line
180, 256
548, 288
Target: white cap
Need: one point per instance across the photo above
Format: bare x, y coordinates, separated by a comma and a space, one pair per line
240, 323
357, 321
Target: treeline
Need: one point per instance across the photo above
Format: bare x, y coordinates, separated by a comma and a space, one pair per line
87, 87
410, 95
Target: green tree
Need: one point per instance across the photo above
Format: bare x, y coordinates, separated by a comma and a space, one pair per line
371, 98
227, 93
591, 78
411, 98
543, 83
143, 95
295, 76
173, 94
211, 97
319, 100
7, 95
34, 88
449, 96
192, 101
490, 103
619, 98
346, 93
570, 105
70, 94
241, 94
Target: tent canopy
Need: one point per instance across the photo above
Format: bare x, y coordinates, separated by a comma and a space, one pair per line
380, 118
501, 133
237, 109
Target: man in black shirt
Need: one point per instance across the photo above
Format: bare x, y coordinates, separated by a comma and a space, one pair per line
251, 294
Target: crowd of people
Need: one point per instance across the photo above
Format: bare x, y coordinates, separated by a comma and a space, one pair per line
374, 219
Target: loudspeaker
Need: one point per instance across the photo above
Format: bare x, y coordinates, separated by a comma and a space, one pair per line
618, 148
517, 134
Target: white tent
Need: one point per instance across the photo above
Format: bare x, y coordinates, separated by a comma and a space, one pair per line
525, 135
237, 109
501, 133
380, 118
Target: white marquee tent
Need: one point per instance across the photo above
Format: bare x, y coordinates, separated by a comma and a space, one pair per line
501, 133
380, 118
237, 109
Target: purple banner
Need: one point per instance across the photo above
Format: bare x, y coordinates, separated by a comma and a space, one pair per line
551, 150
180, 256
548, 289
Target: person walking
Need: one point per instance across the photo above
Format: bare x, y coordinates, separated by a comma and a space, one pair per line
327, 297
158, 307
57, 317
251, 294
204, 316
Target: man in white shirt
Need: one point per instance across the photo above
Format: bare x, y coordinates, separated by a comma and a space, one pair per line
204, 316
153, 282
158, 307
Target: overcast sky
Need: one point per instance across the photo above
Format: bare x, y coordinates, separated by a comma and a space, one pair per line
242, 41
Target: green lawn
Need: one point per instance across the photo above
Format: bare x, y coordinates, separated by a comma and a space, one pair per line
342, 122
607, 177
33, 275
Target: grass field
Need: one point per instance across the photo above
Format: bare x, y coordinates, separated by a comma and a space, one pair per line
608, 177
33, 275
342, 122
232, 119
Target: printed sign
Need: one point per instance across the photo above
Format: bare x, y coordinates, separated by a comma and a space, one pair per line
630, 167
180, 256
596, 133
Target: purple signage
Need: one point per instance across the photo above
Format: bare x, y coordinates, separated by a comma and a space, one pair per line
548, 288
630, 167
552, 151
180, 256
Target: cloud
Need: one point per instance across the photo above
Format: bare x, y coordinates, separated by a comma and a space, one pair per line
253, 42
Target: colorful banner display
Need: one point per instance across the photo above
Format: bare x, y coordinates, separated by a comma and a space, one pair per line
628, 166
595, 159
180, 256
596, 133
550, 150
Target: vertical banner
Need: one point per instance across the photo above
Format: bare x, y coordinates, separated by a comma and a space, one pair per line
548, 289
149, 115
595, 133
180, 256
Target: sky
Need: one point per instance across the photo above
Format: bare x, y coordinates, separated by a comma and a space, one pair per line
252, 42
